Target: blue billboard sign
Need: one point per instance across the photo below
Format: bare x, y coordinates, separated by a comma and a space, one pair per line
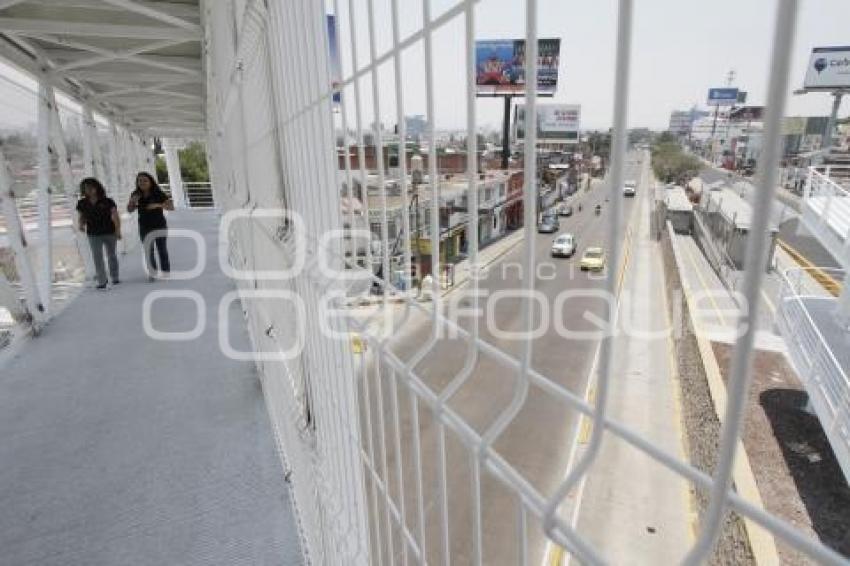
722, 96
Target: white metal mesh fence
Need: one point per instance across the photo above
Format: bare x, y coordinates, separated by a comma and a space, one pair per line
386, 468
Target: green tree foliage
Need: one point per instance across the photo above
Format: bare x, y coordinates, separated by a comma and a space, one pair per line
670, 163
161, 169
193, 165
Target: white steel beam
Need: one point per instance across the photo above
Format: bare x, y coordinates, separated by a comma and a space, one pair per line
26, 26
114, 176
133, 76
9, 3
185, 11
178, 64
18, 243
175, 178
44, 193
90, 133
64, 163
10, 301
40, 66
131, 90
155, 14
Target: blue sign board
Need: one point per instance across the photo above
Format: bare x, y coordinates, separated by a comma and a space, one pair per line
722, 96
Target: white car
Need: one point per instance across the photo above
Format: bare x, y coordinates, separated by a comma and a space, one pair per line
564, 246
630, 189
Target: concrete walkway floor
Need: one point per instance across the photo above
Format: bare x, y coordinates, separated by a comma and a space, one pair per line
119, 449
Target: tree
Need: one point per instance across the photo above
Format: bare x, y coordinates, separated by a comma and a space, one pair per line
671, 164
161, 169
193, 163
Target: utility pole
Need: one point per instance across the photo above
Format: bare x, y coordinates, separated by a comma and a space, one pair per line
830, 125
730, 78
506, 131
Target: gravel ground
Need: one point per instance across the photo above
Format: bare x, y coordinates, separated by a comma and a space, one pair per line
796, 471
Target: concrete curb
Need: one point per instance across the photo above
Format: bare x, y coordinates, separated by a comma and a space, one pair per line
762, 543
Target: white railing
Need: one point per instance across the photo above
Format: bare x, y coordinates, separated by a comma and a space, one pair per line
823, 375
368, 488
826, 213
196, 194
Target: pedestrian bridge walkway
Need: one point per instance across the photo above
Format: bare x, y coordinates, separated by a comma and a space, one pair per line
119, 449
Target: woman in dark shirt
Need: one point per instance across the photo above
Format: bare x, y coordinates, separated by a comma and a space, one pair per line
99, 219
151, 201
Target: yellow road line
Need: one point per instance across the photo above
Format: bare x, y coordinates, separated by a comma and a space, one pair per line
825, 279
556, 556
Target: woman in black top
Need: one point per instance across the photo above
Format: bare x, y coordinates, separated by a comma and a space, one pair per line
151, 201
98, 218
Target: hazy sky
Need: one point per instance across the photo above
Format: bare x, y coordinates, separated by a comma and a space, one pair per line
681, 48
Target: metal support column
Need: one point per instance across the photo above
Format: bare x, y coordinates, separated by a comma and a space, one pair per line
18, 243
71, 192
88, 150
506, 133
9, 300
115, 178
175, 178
97, 154
44, 192
833, 116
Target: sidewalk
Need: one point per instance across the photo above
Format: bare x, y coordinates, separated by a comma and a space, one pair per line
635, 509
118, 449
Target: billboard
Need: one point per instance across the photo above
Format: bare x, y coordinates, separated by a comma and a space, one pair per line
554, 121
336, 68
722, 96
794, 126
829, 68
500, 67
747, 114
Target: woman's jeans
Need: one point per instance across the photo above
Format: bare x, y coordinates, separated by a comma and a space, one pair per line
108, 242
155, 243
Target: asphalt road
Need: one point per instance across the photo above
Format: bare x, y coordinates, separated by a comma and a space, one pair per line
537, 441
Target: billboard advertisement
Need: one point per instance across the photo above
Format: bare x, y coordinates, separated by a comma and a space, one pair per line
722, 96
829, 68
336, 68
747, 114
794, 126
554, 121
500, 67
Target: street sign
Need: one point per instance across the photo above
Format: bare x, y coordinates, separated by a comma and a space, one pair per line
722, 96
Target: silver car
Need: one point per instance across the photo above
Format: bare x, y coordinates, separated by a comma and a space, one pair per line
564, 246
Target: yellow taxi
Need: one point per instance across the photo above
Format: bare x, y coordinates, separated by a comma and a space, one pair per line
593, 259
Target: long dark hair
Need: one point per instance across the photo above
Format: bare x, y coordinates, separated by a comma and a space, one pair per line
95, 184
154, 185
